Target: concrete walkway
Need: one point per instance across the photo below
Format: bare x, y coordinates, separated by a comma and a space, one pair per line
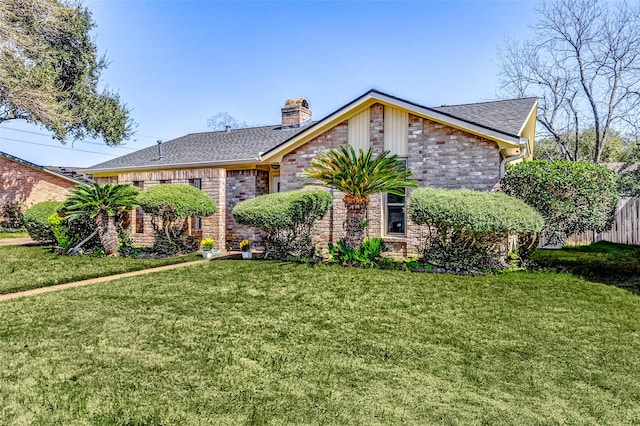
16, 241
98, 280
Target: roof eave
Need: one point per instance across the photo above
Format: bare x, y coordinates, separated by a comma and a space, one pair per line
190, 165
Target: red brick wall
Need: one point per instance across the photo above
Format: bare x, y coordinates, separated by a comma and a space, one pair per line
213, 184
242, 185
29, 186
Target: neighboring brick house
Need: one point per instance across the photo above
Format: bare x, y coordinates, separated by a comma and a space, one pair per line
459, 146
27, 183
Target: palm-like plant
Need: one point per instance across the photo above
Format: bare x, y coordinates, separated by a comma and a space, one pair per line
358, 176
102, 203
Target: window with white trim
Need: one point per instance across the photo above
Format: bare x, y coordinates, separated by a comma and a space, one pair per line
395, 215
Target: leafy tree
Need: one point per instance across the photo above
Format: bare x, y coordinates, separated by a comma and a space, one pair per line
584, 65
358, 176
49, 72
102, 203
572, 197
170, 205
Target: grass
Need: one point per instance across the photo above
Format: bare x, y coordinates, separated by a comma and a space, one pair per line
239, 342
13, 235
605, 262
28, 267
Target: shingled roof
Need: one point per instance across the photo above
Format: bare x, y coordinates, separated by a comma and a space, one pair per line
244, 146
234, 146
506, 116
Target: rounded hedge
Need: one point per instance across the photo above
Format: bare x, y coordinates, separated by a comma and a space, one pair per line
572, 196
485, 212
175, 201
283, 209
36, 220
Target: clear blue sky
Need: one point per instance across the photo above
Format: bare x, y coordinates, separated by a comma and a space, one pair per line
176, 63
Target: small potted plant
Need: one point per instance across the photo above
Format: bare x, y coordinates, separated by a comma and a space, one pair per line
208, 245
245, 246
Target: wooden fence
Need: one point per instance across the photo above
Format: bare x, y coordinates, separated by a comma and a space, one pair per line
625, 229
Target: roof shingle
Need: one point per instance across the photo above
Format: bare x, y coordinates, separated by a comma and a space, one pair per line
236, 145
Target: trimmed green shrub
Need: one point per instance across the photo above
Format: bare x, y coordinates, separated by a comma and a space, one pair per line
470, 230
36, 220
169, 205
572, 197
287, 218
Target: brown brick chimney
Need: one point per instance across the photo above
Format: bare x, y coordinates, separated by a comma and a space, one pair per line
295, 112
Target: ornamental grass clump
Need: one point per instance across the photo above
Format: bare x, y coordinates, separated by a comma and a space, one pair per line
287, 220
170, 205
471, 231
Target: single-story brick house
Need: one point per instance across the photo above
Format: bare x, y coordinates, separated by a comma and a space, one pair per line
456, 146
27, 184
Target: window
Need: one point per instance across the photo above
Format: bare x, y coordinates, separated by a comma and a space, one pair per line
395, 214
395, 211
163, 181
139, 227
197, 220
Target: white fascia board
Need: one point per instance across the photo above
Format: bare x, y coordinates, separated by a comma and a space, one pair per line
533, 108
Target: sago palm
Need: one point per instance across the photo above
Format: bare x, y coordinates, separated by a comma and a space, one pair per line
358, 176
102, 203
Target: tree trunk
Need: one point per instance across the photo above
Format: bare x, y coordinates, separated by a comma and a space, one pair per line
356, 207
108, 233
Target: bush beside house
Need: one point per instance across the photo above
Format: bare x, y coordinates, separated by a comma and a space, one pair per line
170, 205
471, 230
573, 197
36, 220
287, 219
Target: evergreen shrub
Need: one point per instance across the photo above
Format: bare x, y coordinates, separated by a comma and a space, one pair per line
287, 219
470, 230
169, 205
36, 220
573, 197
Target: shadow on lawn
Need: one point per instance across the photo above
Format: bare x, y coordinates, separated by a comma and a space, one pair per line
603, 262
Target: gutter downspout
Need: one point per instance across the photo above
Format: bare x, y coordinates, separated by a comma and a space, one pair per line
524, 152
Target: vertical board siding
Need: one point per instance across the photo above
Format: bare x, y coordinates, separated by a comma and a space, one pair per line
396, 131
625, 229
359, 131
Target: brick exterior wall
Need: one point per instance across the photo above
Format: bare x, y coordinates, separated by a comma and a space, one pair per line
242, 185
28, 186
212, 184
440, 156
444, 157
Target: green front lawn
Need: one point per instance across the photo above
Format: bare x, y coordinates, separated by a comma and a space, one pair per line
13, 235
25, 268
249, 342
605, 262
